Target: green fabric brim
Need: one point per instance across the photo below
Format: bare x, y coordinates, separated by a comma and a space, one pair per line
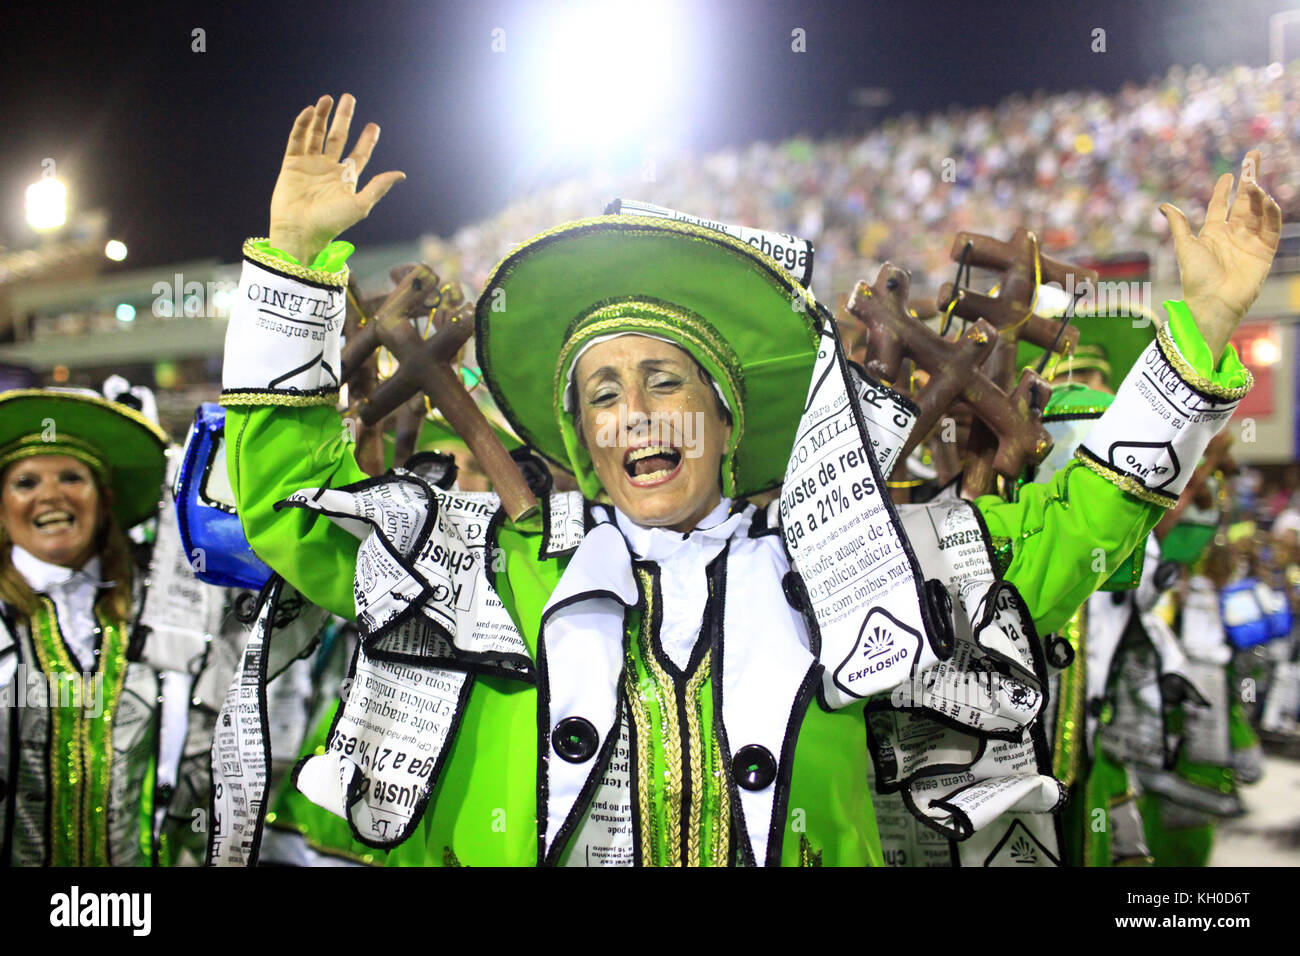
133, 448
768, 320
436, 435
1076, 401
1115, 333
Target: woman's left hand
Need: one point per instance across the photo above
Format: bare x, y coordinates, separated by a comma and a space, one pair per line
1224, 267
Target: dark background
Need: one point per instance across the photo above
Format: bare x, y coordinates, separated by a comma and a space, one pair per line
182, 148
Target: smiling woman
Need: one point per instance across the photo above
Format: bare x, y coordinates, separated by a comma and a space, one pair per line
656, 671
75, 472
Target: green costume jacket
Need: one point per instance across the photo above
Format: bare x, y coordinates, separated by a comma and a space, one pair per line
484, 803
78, 762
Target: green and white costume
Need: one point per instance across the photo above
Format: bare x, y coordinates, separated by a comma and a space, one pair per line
538, 691
77, 745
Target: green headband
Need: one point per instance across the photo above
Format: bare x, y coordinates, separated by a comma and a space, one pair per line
657, 319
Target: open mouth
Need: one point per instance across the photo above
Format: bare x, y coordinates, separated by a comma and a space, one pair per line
54, 521
651, 464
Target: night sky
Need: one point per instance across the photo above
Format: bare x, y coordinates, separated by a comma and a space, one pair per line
182, 148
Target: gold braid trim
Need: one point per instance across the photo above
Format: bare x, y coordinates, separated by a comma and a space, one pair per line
696, 757
1124, 482
268, 397
722, 813
336, 280
1069, 708
1169, 350
32, 446
639, 705
672, 742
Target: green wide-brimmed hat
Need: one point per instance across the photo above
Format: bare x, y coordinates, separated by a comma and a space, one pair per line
1110, 341
742, 316
436, 434
126, 451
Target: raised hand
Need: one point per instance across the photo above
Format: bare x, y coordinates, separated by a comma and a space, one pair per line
1224, 267
316, 195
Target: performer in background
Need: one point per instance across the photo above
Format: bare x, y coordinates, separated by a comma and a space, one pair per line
682, 687
77, 747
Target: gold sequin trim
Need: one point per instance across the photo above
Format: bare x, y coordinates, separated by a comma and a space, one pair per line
807, 855
32, 446
670, 734
1124, 482
1065, 414
1069, 710
639, 706
1169, 350
236, 397
722, 816
696, 751
80, 790
337, 280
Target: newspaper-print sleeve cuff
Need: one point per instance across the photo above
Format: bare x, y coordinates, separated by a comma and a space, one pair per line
1181, 342
282, 344
1171, 403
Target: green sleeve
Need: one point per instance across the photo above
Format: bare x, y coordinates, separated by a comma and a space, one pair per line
1048, 540
330, 259
271, 452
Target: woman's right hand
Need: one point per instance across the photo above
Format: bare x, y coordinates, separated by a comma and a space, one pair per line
316, 195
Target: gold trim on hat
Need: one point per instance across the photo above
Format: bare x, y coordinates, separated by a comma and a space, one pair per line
33, 446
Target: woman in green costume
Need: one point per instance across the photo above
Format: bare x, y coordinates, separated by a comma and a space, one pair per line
77, 747
669, 702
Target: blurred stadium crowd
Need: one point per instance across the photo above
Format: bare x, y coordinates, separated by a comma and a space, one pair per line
1084, 168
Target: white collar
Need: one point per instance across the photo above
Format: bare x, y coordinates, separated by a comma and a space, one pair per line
655, 544
41, 575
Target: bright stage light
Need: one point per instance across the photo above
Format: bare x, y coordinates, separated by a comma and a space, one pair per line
1265, 352
125, 312
611, 76
47, 204
115, 250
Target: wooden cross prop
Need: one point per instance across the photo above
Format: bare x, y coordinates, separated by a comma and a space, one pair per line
1021, 264
955, 371
424, 366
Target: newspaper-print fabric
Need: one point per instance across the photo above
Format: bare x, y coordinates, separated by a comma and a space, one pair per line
285, 628
960, 746
428, 620
180, 613
1136, 672
288, 349
842, 533
794, 254
1206, 729
1163, 417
